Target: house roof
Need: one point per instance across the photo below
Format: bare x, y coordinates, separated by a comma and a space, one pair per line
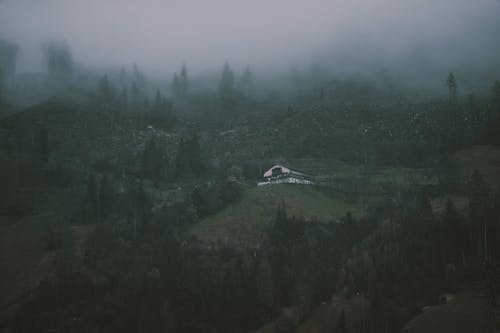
269, 172
284, 170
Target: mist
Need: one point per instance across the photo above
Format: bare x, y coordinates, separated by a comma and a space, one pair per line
348, 36
249, 166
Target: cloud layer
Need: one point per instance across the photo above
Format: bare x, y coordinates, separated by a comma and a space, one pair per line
162, 34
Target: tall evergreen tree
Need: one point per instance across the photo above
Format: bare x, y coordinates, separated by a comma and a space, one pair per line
138, 77
226, 84
135, 96
104, 89
451, 83
8, 59
295, 77
183, 81
58, 59
246, 81
124, 99
226, 87
158, 101
176, 86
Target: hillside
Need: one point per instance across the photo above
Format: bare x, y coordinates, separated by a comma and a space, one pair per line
467, 312
246, 219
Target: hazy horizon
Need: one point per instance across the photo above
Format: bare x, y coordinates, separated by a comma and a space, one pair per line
160, 36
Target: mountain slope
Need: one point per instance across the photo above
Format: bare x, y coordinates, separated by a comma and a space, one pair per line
246, 219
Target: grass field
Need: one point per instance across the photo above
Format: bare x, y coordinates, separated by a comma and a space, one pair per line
246, 219
344, 188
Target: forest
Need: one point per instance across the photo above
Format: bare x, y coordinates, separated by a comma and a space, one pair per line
129, 198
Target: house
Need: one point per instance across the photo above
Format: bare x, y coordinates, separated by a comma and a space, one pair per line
279, 174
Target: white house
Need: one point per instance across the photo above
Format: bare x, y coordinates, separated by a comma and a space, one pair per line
279, 174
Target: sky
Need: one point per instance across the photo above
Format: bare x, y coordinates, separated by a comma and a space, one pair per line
161, 35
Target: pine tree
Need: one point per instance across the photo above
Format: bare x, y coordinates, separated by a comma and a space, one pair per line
246, 81
135, 96
138, 77
124, 99
226, 87
451, 83
158, 101
295, 77
176, 86
58, 59
123, 75
226, 84
104, 88
183, 81
135, 90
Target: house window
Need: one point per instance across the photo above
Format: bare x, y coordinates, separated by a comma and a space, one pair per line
277, 171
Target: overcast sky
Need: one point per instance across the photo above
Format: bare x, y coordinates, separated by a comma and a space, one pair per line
160, 35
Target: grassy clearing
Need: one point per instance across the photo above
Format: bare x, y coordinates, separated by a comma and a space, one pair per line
248, 217
344, 188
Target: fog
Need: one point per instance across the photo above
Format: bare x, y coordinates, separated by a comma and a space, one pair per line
347, 35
